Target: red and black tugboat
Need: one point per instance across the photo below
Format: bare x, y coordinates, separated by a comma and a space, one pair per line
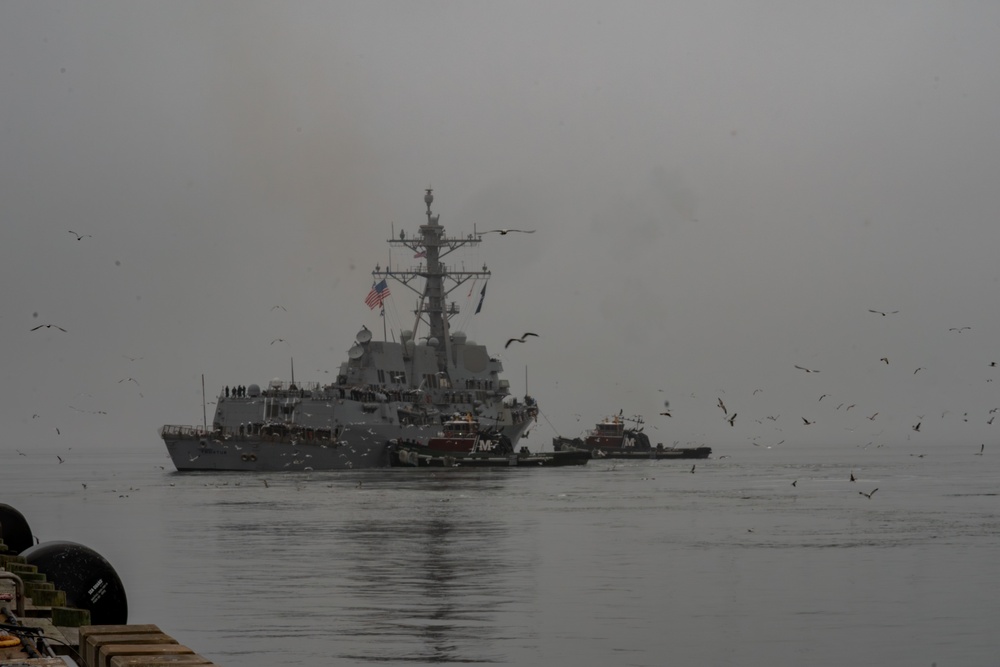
463, 442
612, 438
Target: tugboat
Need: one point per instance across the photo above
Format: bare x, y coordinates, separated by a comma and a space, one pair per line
464, 443
611, 439
384, 392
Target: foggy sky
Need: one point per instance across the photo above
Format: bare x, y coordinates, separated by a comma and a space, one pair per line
721, 191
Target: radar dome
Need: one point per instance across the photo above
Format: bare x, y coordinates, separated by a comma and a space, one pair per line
432, 342
253, 391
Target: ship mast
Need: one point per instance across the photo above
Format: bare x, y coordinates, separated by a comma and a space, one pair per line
433, 307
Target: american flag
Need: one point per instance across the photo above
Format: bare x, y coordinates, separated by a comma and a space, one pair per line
422, 253
378, 294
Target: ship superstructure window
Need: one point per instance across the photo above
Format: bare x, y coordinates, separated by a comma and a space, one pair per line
608, 429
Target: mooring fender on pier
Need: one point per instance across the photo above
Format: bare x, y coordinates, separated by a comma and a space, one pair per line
14, 529
89, 580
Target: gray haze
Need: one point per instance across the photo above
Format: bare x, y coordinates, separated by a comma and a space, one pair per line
721, 191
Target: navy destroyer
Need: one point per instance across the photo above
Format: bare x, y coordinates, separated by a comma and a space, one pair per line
385, 393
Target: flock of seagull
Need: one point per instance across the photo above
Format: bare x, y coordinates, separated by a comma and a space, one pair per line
885, 360
52, 326
731, 418
79, 237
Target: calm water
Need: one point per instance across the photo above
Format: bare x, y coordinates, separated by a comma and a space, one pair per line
627, 564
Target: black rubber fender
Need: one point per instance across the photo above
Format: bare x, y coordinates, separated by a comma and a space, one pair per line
14, 529
89, 580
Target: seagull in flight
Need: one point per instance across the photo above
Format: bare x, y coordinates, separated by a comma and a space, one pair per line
879, 312
732, 419
519, 340
868, 495
505, 232
807, 370
49, 326
723, 406
278, 340
959, 329
80, 237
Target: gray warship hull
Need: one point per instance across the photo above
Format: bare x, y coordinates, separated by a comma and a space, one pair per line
253, 454
275, 448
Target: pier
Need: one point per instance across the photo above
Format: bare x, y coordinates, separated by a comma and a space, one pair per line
39, 626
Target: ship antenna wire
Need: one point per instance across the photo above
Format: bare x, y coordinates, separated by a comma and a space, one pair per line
546, 418
204, 413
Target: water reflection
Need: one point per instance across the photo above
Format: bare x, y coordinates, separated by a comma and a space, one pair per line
434, 581
425, 567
